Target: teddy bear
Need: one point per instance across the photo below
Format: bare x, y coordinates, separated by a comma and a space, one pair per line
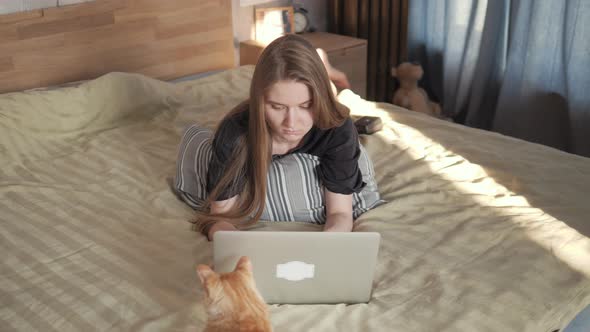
409, 95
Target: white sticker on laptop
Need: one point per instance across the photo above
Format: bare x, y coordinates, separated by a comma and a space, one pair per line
295, 271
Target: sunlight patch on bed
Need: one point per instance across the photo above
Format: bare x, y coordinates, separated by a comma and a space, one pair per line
547, 231
556, 237
471, 179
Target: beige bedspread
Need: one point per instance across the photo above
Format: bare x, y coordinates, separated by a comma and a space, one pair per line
479, 233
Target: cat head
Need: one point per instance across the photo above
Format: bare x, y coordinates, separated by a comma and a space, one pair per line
231, 295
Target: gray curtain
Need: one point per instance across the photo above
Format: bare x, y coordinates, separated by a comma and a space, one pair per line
518, 67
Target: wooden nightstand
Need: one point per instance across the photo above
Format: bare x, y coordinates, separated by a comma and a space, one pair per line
345, 53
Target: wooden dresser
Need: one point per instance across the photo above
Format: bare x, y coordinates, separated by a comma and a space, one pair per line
348, 54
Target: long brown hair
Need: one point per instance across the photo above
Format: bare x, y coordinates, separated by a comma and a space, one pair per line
288, 58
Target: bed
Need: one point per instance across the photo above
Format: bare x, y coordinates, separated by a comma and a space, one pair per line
480, 232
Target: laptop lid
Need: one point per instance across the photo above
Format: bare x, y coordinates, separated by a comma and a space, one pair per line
303, 267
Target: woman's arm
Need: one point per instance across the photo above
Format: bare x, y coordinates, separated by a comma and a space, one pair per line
221, 207
338, 212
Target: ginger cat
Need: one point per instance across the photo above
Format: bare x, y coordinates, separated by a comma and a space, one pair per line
232, 301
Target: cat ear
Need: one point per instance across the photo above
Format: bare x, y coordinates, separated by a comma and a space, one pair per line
244, 264
205, 273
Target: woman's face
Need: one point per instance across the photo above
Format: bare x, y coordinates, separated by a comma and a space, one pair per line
288, 111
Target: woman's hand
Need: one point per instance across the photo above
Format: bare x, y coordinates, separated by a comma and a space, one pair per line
338, 212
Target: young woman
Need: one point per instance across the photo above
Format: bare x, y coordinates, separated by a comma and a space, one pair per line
291, 110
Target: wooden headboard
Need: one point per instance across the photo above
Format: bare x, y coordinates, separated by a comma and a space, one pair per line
163, 39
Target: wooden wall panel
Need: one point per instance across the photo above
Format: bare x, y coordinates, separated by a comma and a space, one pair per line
161, 39
22, 16
90, 8
66, 25
6, 64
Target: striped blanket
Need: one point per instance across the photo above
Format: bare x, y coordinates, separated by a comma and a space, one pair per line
481, 232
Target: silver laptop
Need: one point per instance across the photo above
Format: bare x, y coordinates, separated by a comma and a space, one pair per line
303, 267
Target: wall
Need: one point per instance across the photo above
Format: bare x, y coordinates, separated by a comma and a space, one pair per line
243, 17
318, 13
